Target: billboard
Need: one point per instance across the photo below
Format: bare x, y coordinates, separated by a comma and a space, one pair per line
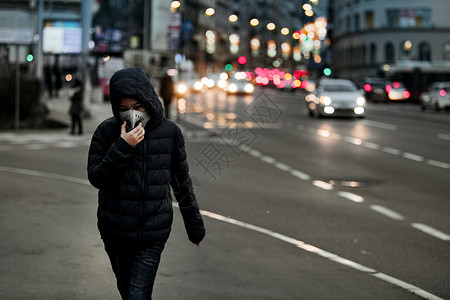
62, 37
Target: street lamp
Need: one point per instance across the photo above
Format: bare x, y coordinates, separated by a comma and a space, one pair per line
285, 31
232, 18
271, 26
174, 6
254, 22
210, 11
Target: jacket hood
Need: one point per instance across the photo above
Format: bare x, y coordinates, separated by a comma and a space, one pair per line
134, 83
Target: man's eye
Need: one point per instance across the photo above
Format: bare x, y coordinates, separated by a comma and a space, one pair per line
137, 107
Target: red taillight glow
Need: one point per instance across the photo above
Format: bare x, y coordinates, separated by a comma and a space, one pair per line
367, 87
442, 93
388, 88
406, 94
396, 85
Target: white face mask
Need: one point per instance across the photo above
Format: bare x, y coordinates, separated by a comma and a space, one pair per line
134, 117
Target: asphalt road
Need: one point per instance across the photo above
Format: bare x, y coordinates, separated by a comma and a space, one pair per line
295, 208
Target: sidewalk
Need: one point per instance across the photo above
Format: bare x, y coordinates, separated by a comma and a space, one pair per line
97, 111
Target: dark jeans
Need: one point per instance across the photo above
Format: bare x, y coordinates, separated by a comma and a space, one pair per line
135, 268
76, 122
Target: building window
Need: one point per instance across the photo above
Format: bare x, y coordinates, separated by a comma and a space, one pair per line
405, 50
389, 52
348, 24
369, 18
372, 54
356, 22
363, 54
409, 18
446, 51
424, 51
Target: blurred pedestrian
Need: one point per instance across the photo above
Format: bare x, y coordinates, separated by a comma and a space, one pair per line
133, 159
76, 107
58, 81
166, 92
48, 80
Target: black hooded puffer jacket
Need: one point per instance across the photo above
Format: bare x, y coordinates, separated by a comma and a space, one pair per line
134, 203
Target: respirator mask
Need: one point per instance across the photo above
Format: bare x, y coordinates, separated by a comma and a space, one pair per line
134, 117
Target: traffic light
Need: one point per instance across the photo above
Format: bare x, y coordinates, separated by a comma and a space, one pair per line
30, 55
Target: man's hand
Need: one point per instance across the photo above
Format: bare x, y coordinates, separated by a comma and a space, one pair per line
133, 137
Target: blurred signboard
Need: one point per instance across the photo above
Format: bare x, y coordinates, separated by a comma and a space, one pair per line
62, 37
23, 36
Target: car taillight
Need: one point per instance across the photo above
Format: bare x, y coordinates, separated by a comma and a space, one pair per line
442, 93
367, 87
388, 88
406, 94
396, 85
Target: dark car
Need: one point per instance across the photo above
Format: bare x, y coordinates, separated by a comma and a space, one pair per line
376, 89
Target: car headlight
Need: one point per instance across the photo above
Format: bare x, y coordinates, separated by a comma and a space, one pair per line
360, 101
232, 88
248, 88
325, 100
181, 88
198, 85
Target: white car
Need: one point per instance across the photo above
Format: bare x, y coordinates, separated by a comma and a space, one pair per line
437, 96
242, 86
336, 97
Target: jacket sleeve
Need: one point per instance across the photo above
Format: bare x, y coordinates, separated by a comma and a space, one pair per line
184, 193
106, 162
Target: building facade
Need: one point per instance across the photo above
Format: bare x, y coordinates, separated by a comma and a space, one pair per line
401, 40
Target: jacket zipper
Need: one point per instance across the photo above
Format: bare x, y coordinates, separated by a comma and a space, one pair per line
141, 198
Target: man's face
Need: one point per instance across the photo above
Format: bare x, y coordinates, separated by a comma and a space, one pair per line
130, 103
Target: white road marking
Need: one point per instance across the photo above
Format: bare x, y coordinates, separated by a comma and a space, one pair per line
443, 136
267, 159
325, 254
300, 244
323, 185
254, 153
300, 175
413, 156
351, 196
387, 212
282, 166
391, 150
36, 147
409, 287
352, 140
431, 231
65, 145
44, 174
379, 125
371, 145
336, 136
438, 164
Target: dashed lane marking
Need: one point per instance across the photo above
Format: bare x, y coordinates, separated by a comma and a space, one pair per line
351, 196
323, 185
412, 156
431, 231
387, 212
298, 243
443, 136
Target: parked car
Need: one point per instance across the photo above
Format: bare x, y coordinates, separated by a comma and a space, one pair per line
437, 96
336, 97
